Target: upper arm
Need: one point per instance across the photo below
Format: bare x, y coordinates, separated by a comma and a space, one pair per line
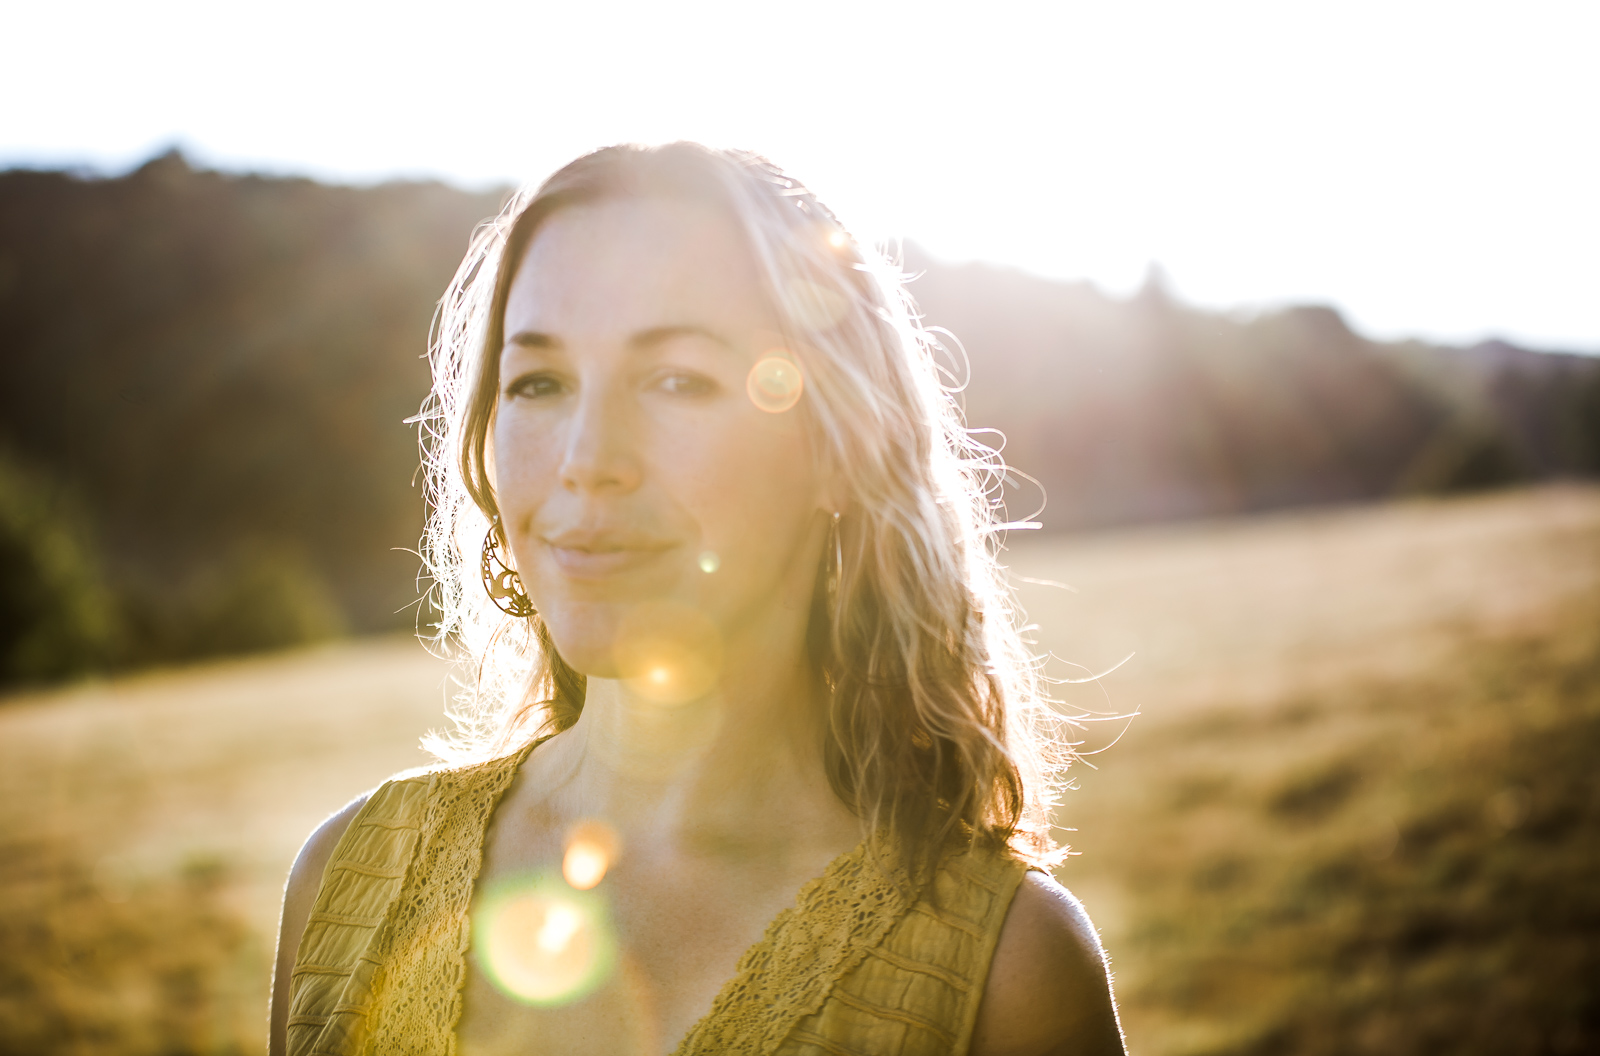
1048, 989
299, 895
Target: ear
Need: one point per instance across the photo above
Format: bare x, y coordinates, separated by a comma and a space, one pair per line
491, 473
831, 499
829, 483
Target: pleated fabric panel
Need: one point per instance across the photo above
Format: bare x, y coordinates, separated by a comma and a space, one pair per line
332, 986
861, 965
916, 992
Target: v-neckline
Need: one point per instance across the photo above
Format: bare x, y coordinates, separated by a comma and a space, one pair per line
834, 919
765, 953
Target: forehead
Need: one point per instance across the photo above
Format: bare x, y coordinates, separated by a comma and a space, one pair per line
636, 263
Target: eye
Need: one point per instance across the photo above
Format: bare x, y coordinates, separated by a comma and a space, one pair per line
685, 383
535, 386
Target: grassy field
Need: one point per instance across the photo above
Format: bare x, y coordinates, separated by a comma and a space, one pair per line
1355, 813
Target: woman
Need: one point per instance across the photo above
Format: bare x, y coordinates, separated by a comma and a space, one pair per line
754, 760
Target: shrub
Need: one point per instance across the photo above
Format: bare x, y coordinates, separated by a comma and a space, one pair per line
57, 616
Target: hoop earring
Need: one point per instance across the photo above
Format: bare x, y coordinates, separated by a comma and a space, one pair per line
836, 570
503, 586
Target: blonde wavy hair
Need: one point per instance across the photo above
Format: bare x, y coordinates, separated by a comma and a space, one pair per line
938, 725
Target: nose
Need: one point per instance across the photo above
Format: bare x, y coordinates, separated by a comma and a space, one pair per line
600, 454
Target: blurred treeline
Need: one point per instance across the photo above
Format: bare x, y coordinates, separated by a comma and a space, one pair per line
202, 446
202, 419
1145, 409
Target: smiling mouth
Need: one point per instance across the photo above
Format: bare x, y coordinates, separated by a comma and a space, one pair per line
585, 555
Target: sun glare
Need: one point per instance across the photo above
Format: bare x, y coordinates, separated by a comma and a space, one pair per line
592, 849
543, 942
815, 307
561, 924
775, 383
668, 652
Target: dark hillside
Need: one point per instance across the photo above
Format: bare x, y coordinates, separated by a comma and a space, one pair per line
206, 378
220, 367
1146, 409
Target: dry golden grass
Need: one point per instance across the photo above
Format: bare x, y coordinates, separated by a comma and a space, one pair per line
146, 826
1352, 808
1361, 772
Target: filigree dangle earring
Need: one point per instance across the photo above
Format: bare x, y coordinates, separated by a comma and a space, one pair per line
501, 581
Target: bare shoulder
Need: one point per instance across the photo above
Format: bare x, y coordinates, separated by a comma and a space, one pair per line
299, 895
1049, 990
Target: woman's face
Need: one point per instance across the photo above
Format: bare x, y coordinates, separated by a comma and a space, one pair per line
643, 490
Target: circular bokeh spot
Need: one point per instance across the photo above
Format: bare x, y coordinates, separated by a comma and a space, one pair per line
592, 848
541, 942
774, 383
668, 652
815, 306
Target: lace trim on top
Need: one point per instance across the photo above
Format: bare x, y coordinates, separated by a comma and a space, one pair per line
420, 954
836, 920
424, 955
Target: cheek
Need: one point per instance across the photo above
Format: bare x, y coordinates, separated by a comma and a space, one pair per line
756, 489
523, 467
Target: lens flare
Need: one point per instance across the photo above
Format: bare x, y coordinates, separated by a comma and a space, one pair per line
560, 925
542, 943
815, 307
838, 239
709, 562
667, 652
774, 383
591, 849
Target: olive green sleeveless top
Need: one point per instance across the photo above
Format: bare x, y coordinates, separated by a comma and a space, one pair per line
860, 964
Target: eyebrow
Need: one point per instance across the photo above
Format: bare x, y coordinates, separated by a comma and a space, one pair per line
533, 339
646, 340
643, 341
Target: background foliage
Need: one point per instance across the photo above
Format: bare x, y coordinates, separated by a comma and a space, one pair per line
1357, 814
217, 369
220, 368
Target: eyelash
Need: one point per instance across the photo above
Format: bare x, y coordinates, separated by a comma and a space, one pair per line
525, 385
686, 383
674, 383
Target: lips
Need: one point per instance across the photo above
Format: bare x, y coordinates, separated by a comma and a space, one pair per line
585, 554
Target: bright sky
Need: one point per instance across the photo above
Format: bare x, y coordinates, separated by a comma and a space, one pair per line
1431, 168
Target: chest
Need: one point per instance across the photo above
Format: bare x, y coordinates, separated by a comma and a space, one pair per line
628, 966
855, 960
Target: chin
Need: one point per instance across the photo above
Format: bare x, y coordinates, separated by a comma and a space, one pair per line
583, 635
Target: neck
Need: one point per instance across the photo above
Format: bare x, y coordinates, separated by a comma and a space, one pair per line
735, 768
740, 767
